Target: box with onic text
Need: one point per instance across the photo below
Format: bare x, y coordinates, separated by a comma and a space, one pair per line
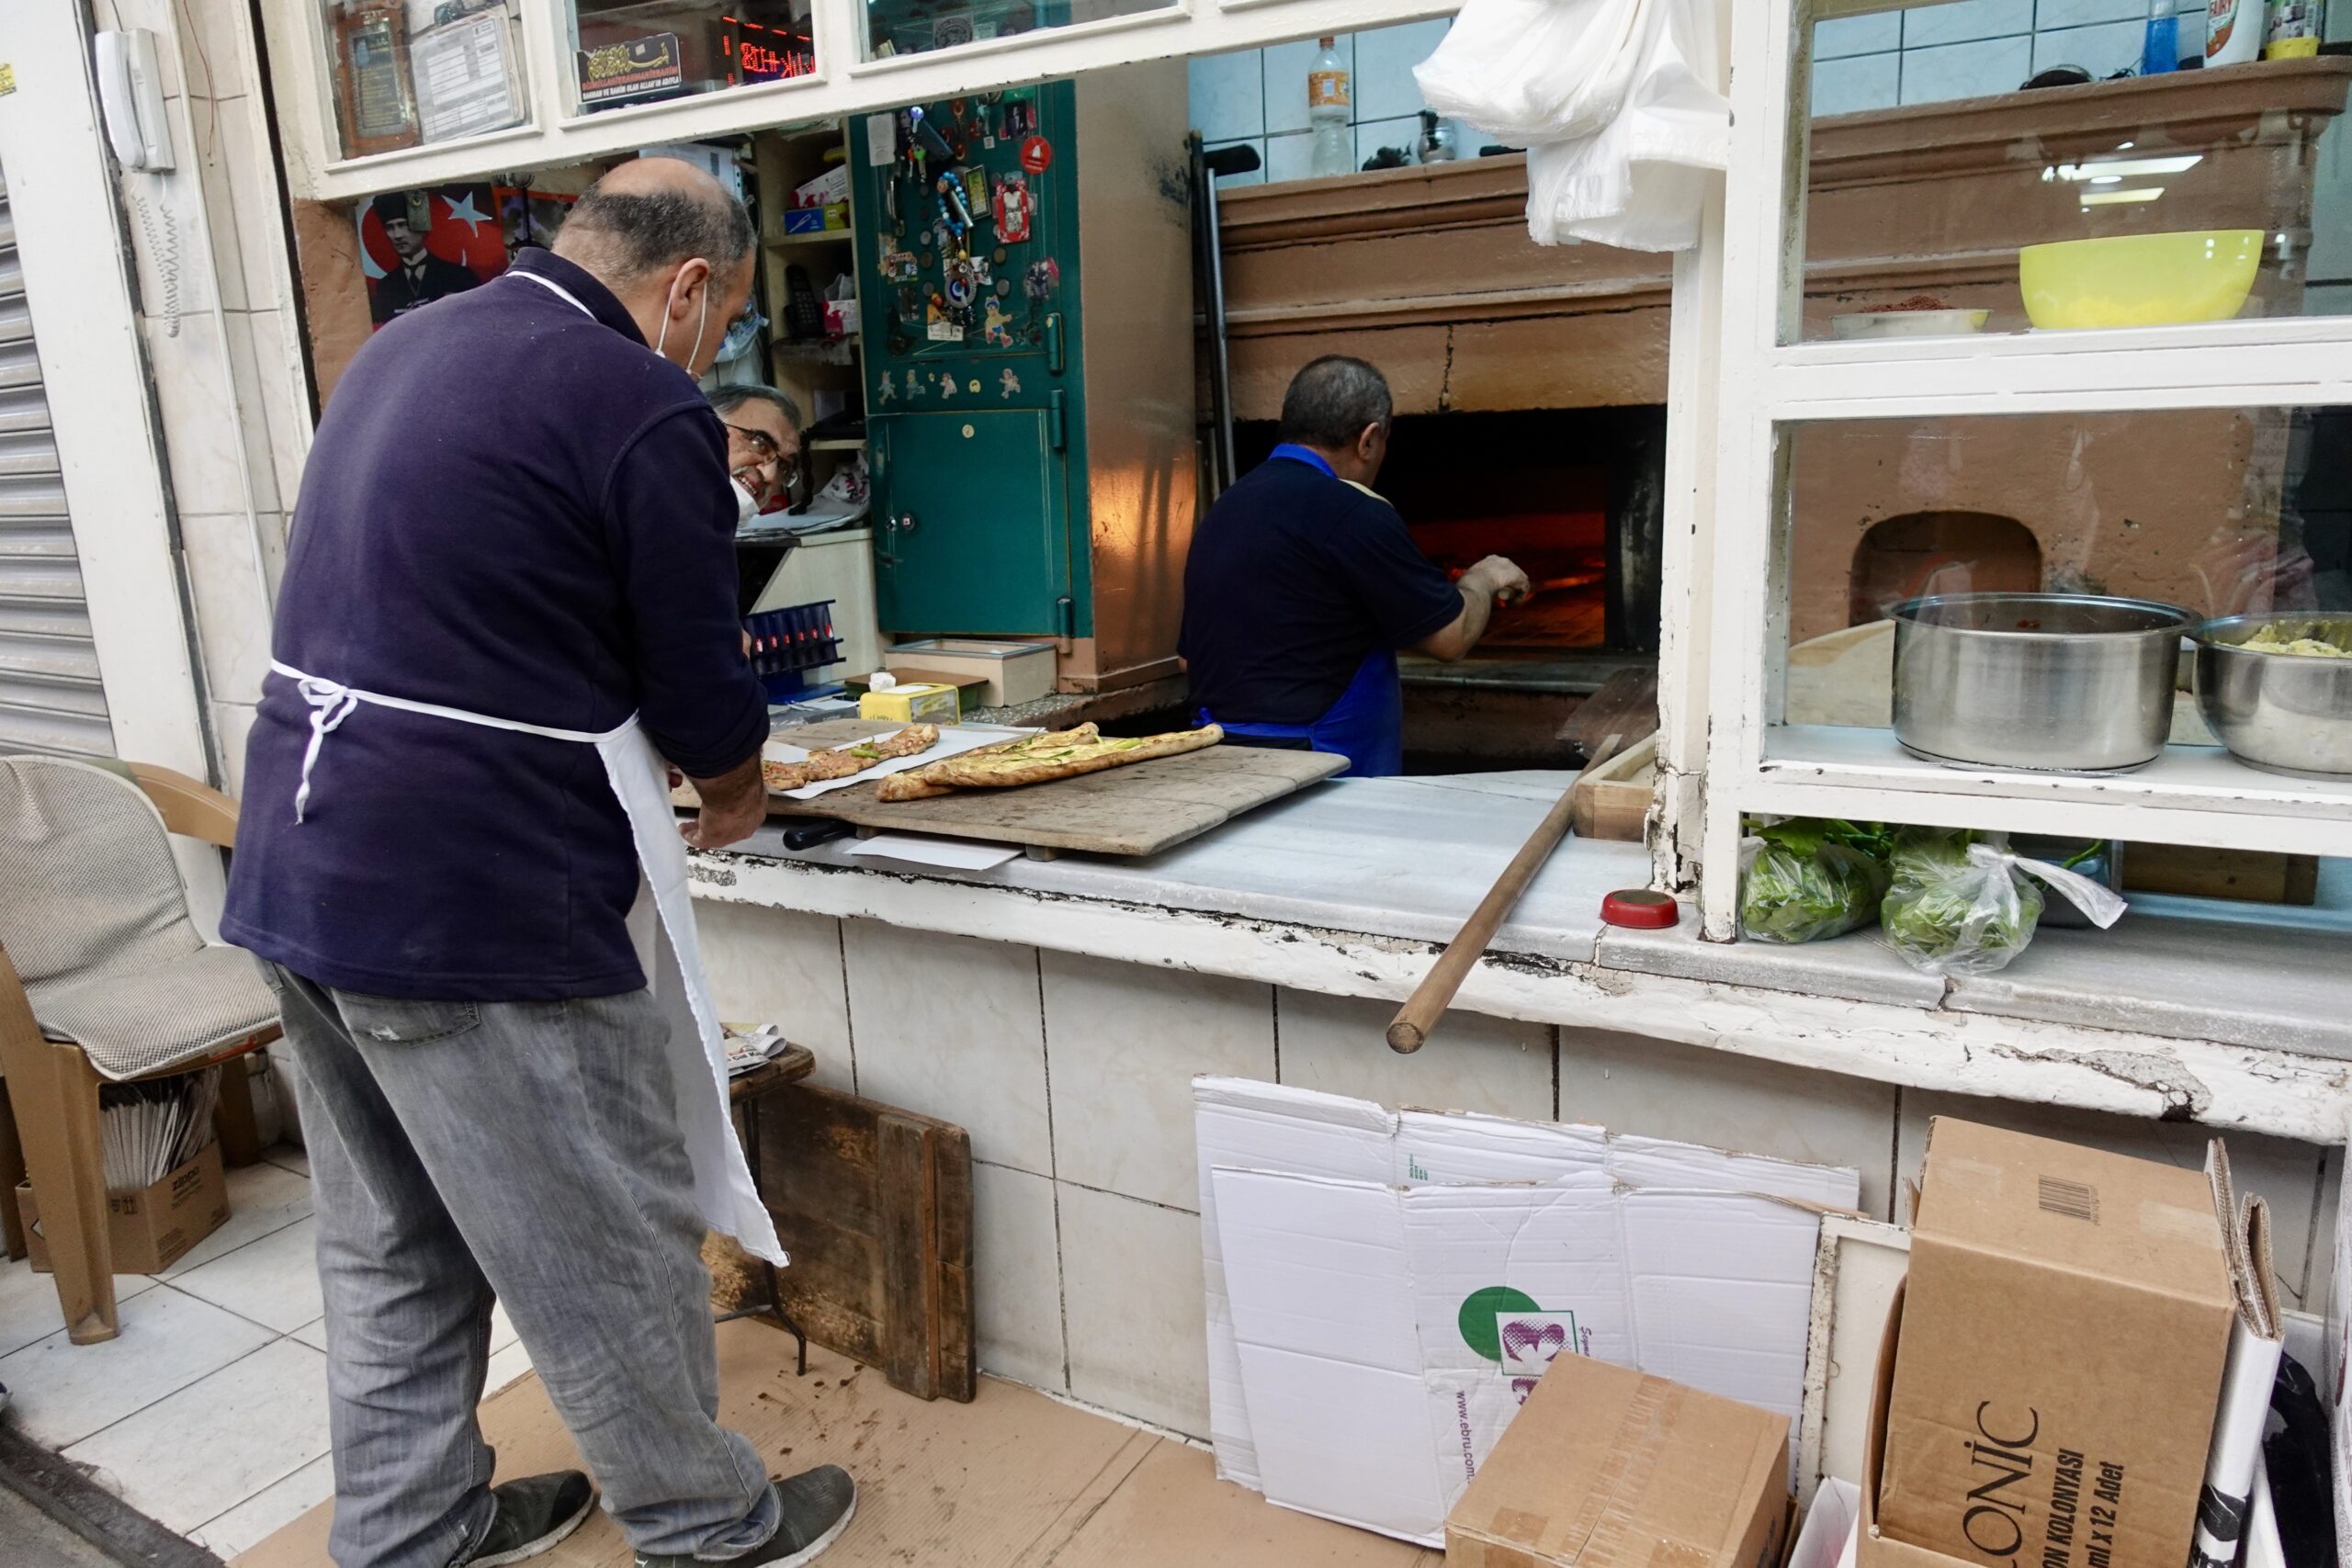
2064, 1330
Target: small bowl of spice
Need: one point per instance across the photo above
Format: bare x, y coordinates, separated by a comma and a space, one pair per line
1922, 315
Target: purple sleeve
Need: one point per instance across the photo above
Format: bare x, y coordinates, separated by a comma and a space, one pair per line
671, 513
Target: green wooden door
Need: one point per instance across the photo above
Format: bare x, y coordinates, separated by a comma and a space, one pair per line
975, 533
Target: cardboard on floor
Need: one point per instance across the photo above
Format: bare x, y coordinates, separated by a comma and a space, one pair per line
1013, 1480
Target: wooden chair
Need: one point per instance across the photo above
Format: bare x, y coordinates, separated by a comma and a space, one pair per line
102, 977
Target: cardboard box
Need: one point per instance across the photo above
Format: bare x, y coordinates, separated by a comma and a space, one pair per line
804, 221
2068, 1317
1607, 1467
827, 188
1015, 671
154, 1228
1385, 1289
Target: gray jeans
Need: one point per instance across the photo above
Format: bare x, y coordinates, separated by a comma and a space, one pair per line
527, 1153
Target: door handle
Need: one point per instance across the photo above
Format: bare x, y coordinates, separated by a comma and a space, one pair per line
1056, 351
1057, 420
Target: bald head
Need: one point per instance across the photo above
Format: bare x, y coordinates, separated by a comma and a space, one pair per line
674, 248
649, 214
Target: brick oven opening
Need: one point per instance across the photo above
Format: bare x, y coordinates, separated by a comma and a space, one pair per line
1940, 552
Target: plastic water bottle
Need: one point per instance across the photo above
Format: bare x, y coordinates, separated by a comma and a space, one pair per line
2160, 49
1331, 98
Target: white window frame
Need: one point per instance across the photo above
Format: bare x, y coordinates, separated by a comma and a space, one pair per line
1753, 765
558, 132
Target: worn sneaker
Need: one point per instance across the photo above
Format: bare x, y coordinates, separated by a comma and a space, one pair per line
534, 1513
816, 1507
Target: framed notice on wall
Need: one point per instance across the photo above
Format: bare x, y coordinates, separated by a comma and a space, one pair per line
466, 81
631, 71
373, 90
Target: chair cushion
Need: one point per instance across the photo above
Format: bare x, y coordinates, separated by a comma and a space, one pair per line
152, 1020
96, 924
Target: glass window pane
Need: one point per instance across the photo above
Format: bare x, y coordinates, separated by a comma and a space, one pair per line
642, 52
407, 76
1920, 553
917, 26
1986, 165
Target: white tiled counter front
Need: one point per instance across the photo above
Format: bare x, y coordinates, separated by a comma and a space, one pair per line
1059, 1010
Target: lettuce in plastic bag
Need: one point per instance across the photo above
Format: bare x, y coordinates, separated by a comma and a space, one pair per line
1804, 879
1951, 912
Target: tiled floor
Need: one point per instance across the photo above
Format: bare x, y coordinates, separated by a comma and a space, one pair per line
209, 1414
1011, 1480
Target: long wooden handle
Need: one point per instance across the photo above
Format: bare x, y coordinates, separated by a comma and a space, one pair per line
1410, 1031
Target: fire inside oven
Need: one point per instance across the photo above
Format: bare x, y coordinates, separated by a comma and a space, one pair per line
1570, 496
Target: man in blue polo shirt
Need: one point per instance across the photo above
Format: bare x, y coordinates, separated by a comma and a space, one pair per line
509, 596
1302, 584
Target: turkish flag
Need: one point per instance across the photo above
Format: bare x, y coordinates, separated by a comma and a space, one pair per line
464, 228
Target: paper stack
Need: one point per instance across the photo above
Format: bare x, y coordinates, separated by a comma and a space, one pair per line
1385, 1289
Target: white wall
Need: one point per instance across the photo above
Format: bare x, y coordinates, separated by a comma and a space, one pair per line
1259, 96
1073, 1075
232, 389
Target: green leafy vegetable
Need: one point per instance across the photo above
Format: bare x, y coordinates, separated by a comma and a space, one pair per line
1809, 878
1947, 914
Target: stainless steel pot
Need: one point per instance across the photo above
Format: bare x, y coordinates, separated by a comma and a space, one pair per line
2286, 712
2061, 682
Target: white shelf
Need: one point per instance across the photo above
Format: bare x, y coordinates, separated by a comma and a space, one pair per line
838, 444
817, 237
2190, 794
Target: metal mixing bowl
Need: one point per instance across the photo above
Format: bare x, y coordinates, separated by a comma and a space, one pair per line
2062, 681
2291, 712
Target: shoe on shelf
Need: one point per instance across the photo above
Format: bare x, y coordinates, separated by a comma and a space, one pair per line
534, 1513
816, 1507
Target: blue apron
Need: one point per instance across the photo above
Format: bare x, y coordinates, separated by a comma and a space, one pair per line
1367, 725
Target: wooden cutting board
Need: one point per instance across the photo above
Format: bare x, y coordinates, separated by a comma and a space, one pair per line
875, 1205
1135, 810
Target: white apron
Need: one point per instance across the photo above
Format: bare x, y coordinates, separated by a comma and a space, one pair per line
661, 926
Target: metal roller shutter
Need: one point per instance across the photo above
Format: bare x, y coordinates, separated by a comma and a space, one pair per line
50, 697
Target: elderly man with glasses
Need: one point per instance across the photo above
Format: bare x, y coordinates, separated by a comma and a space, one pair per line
762, 439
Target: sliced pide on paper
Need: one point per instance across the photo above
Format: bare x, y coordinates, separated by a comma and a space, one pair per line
843, 761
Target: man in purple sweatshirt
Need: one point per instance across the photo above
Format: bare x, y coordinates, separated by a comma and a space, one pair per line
515, 531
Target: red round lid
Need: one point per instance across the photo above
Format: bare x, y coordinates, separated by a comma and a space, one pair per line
1640, 909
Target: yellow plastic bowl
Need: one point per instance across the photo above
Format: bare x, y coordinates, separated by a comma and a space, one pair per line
2140, 281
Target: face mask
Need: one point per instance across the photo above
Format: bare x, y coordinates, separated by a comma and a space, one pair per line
747, 506
701, 321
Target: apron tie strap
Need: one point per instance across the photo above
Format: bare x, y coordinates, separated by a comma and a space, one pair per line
331, 703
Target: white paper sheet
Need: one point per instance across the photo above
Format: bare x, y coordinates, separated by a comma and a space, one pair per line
465, 84
953, 739
952, 854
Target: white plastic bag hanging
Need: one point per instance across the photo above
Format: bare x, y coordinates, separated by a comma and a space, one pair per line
1615, 101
